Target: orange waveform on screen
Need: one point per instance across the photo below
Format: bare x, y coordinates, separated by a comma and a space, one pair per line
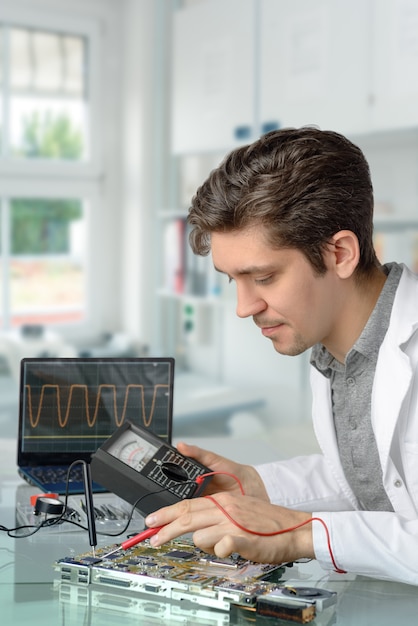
91, 419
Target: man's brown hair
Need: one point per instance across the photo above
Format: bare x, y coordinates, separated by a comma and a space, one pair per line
302, 185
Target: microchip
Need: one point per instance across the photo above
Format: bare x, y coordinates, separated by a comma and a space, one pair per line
116, 555
180, 554
90, 560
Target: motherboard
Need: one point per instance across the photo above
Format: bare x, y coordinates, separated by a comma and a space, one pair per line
176, 571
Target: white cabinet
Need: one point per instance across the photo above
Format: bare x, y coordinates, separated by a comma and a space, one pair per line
242, 67
394, 76
347, 66
314, 63
213, 76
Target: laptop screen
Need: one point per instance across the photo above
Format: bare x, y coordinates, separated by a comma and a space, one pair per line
70, 406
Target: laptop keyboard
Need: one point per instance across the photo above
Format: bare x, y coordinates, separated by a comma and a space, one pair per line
54, 478
51, 474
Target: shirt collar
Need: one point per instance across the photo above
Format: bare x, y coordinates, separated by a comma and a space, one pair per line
370, 340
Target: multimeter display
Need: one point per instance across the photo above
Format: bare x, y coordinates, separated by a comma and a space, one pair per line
142, 469
132, 449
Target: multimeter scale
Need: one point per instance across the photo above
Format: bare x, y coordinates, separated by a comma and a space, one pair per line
144, 470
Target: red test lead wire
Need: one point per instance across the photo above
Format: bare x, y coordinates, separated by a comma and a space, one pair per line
149, 532
145, 534
282, 531
199, 480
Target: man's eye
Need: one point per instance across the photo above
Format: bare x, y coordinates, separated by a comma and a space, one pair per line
263, 281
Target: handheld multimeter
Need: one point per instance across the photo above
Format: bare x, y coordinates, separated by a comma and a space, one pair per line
136, 465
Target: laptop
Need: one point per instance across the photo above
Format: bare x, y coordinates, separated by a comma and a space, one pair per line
69, 406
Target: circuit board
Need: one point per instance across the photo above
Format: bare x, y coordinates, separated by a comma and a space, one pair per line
176, 571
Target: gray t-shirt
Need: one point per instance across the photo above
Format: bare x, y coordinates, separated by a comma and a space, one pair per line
351, 389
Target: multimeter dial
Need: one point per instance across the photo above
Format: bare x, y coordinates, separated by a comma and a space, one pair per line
132, 450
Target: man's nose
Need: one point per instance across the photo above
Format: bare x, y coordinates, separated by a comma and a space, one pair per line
249, 302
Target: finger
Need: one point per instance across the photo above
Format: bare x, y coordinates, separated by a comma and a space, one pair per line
207, 538
223, 540
184, 508
227, 545
190, 524
167, 514
262, 550
205, 457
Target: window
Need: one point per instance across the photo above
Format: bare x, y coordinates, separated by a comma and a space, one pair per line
47, 162
44, 94
43, 261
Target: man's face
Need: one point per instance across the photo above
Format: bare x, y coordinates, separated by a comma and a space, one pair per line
293, 306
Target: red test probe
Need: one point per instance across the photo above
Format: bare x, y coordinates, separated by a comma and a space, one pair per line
133, 541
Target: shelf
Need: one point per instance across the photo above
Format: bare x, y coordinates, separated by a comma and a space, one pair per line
199, 398
393, 223
189, 297
386, 138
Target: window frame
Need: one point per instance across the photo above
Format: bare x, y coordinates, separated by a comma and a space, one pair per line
92, 167
45, 178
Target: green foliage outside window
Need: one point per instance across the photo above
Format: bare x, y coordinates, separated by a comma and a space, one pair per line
52, 137
40, 225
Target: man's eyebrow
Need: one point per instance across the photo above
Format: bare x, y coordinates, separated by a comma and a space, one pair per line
252, 269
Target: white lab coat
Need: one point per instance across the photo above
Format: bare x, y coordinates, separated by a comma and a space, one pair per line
373, 543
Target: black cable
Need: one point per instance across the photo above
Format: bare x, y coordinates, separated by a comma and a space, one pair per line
91, 528
59, 519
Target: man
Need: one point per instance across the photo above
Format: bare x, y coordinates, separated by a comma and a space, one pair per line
289, 220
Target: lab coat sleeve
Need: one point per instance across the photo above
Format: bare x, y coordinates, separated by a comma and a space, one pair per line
379, 544
305, 483
371, 543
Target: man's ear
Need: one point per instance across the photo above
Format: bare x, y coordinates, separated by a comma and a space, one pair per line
344, 253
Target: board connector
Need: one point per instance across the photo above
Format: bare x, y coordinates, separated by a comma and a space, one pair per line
286, 609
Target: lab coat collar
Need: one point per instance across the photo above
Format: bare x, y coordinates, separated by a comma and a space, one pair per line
395, 364
391, 384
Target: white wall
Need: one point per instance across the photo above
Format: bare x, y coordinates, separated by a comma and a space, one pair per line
144, 96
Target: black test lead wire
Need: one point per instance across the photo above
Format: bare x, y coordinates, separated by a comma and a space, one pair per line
88, 492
